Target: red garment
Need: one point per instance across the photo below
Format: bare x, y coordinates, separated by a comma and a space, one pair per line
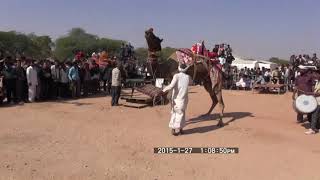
304, 82
212, 55
216, 63
194, 48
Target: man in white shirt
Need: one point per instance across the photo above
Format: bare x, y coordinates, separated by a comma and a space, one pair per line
55, 74
32, 78
267, 75
116, 85
179, 86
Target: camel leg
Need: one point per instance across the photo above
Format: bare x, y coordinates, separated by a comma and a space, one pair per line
208, 88
221, 107
216, 97
214, 103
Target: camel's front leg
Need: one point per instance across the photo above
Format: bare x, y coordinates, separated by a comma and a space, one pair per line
213, 104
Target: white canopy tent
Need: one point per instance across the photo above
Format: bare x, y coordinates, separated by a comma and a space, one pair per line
242, 63
267, 64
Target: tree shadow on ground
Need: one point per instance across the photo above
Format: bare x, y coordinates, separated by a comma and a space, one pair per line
233, 115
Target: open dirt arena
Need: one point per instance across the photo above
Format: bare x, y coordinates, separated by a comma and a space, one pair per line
87, 139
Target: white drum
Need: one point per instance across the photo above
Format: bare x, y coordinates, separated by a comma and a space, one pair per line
305, 104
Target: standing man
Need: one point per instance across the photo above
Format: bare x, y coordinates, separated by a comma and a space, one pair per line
46, 81
314, 123
20, 83
9, 80
32, 78
86, 80
179, 86
56, 78
107, 73
116, 85
303, 85
64, 81
75, 80
95, 77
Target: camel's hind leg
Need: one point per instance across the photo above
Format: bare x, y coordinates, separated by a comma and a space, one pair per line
213, 97
220, 106
216, 97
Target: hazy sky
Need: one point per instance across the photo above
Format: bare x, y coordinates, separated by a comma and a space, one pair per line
254, 28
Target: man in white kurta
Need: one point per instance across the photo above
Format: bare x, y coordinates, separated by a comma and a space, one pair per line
32, 78
179, 87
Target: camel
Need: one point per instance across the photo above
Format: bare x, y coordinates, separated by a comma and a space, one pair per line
199, 71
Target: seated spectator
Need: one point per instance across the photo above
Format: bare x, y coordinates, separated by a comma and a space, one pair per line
258, 71
260, 79
244, 82
267, 75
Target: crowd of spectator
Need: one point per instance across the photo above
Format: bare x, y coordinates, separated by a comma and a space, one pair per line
245, 78
28, 80
304, 60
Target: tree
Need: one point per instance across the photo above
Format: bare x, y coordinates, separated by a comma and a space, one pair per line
17, 44
79, 39
43, 45
166, 53
142, 54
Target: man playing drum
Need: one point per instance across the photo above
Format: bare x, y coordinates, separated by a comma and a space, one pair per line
304, 84
315, 123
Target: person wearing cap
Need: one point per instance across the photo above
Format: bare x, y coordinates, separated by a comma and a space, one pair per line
179, 86
32, 78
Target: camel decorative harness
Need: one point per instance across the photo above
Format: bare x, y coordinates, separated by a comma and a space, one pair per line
186, 56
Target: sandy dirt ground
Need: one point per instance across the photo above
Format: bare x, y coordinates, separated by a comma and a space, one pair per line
87, 139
